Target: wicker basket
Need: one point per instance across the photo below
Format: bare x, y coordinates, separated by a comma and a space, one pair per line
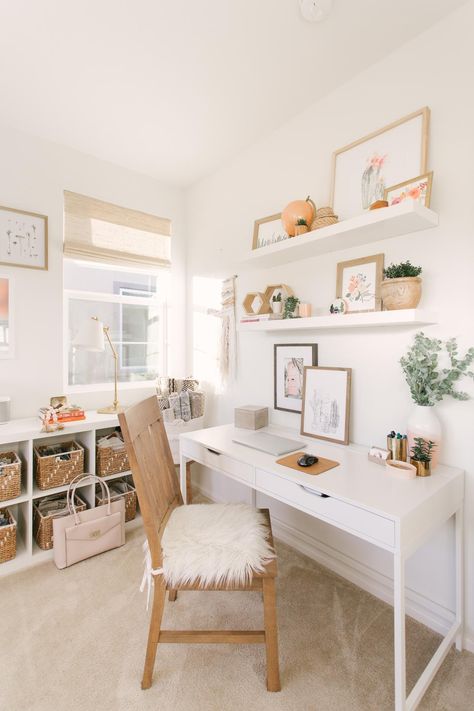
130, 496
43, 524
10, 476
60, 467
111, 460
7, 538
324, 222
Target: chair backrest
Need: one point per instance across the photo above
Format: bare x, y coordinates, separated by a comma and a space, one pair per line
153, 470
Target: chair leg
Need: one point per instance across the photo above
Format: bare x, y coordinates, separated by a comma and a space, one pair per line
271, 634
159, 594
172, 595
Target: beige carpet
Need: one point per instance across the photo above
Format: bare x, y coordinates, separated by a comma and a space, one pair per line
75, 640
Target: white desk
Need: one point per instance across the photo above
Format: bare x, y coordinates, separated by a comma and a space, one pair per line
360, 498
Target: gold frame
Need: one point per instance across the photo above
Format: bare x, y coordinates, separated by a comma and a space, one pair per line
348, 405
31, 214
379, 264
262, 221
428, 176
424, 112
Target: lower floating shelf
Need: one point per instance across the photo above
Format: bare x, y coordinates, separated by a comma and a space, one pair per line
374, 319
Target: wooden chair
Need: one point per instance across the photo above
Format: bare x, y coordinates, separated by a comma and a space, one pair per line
158, 495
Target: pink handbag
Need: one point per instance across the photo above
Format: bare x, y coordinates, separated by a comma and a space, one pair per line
87, 533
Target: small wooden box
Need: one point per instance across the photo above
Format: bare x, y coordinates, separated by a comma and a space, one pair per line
251, 417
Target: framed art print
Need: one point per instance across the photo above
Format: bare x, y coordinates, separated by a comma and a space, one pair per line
358, 283
290, 360
6, 318
326, 404
365, 168
268, 230
417, 189
23, 239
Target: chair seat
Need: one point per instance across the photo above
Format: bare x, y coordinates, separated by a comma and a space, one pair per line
215, 545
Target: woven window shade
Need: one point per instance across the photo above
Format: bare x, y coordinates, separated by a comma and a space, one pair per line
101, 232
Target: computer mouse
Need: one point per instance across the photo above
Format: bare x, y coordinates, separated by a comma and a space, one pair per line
307, 460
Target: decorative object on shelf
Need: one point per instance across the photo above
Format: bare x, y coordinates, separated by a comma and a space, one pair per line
7, 536
301, 227
53, 417
289, 361
6, 318
47, 509
358, 282
326, 403
338, 306
276, 303
400, 470
90, 337
255, 302
251, 417
421, 454
10, 475
268, 230
397, 445
401, 287
57, 464
23, 239
363, 169
378, 204
429, 383
297, 210
323, 218
417, 189
305, 310
4, 409
49, 420
291, 306
272, 290
378, 455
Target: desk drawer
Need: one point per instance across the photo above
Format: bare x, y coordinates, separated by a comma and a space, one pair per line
347, 516
219, 462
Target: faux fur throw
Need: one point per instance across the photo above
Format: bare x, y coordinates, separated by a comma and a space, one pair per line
214, 543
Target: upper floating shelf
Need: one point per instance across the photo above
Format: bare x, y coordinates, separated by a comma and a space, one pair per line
371, 226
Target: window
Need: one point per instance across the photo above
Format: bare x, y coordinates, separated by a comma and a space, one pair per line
206, 294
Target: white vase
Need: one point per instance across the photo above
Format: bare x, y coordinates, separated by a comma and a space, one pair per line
424, 422
276, 307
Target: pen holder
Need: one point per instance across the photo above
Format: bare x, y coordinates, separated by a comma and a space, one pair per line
398, 448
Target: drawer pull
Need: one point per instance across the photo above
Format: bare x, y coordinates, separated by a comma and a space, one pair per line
314, 493
213, 451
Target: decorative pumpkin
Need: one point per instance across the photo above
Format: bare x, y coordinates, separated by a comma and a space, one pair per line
297, 210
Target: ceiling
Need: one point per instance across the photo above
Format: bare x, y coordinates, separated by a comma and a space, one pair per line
174, 88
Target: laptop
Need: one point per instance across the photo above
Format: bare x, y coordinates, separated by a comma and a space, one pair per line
269, 443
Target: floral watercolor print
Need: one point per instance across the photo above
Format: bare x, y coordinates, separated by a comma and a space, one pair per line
358, 287
418, 190
294, 378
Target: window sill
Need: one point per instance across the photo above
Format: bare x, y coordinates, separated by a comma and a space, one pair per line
109, 387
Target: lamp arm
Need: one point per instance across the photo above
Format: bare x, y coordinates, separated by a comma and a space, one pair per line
115, 355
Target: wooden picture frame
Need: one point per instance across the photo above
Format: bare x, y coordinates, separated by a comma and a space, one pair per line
411, 132
23, 239
276, 234
426, 178
326, 404
306, 354
7, 325
348, 287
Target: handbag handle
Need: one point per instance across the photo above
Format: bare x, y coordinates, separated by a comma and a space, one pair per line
71, 492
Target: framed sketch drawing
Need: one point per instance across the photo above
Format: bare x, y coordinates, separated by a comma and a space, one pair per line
268, 230
23, 239
6, 318
364, 169
358, 283
326, 404
290, 360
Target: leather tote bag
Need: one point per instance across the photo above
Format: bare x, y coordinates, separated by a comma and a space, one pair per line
87, 533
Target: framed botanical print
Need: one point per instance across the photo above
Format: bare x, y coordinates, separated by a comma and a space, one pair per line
358, 283
290, 360
416, 189
6, 318
326, 404
23, 239
268, 230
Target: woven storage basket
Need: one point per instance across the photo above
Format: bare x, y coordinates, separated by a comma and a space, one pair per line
130, 497
7, 538
43, 524
60, 468
324, 222
10, 476
111, 460
324, 212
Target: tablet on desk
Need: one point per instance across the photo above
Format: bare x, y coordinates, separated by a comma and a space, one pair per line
269, 443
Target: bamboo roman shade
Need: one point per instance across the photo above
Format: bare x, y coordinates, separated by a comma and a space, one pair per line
101, 232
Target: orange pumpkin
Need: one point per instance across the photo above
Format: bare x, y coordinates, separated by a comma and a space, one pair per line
297, 210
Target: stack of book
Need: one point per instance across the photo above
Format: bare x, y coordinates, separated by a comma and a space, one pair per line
252, 318
69, 413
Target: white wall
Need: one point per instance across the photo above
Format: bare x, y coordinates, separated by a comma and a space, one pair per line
33, 175
433, 70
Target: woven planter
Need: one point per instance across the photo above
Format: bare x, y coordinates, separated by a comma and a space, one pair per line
401, 293
10, 476
43, 523
111, 460
7, 538
130, 497
59, 468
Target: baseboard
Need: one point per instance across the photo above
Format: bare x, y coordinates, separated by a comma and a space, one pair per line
426, 611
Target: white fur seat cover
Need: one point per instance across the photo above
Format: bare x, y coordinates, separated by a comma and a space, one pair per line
215, 544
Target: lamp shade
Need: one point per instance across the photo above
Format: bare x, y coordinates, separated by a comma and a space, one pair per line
90, 336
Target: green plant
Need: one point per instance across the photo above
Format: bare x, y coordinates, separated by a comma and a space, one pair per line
428, 382
404, 269
290, 307
301, 221
276, 297
421, 451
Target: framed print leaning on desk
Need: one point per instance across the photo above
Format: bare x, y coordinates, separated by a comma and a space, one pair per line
326, 404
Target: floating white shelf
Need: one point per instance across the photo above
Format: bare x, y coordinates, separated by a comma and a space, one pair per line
371, 226
402, 317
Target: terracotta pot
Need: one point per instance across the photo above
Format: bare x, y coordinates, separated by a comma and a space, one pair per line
300, 230
401, 293
296, 210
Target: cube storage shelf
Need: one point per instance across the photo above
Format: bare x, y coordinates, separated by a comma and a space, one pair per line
20, 436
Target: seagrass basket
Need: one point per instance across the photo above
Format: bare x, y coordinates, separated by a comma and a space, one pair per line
111, 460
7, 538
129, 495
10, 476
58, 464
43, 522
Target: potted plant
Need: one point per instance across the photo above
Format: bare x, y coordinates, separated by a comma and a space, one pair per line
301, 226
429, 383
421, 455
401, 287
291, 304
276, 303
